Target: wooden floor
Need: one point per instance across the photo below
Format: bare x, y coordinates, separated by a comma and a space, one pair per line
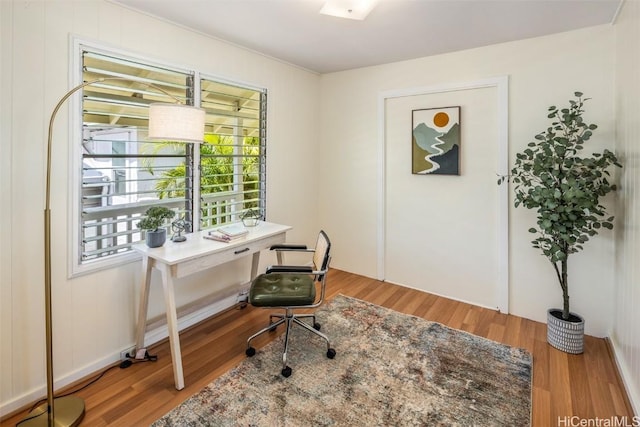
586, 385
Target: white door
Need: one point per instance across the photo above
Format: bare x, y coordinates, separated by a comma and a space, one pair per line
441, 231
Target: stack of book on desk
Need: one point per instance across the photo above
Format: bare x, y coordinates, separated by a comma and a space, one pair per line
227, 233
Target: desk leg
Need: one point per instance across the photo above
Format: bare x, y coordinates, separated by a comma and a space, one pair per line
172, 324
141, 326
255, 261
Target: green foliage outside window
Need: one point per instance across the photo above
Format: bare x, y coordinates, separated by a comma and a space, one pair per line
217, 171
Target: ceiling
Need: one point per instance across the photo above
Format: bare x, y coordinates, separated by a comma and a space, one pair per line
295, 32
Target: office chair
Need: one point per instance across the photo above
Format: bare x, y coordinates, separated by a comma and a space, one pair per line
290, 288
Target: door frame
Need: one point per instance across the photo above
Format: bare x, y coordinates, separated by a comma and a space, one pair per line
501, 83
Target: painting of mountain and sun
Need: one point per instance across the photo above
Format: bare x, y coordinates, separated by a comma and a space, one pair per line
436, 141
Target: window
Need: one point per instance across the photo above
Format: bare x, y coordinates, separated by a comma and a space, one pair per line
123, 173
232, 162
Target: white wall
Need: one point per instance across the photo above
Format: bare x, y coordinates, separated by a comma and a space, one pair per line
94, 315
626, 327
542, 72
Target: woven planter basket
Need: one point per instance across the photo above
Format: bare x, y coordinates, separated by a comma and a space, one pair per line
565, 335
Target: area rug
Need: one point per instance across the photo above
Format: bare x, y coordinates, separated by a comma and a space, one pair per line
391, 369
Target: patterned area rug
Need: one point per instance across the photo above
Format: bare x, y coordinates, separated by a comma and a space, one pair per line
391, 369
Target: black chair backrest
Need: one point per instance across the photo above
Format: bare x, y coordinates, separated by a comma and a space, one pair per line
322, 252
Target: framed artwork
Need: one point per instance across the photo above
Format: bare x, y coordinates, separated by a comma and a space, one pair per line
435, 142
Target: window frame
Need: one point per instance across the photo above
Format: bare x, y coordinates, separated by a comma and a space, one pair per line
76, 266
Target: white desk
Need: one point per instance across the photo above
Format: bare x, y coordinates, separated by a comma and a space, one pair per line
176, 260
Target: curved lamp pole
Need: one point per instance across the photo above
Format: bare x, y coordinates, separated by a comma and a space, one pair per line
170, 122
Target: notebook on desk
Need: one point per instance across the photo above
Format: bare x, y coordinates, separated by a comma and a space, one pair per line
233, 230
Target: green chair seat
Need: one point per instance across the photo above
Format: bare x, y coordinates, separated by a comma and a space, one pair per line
282, 290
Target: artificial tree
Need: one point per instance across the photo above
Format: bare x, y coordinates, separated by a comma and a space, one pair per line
154, 218
553, 178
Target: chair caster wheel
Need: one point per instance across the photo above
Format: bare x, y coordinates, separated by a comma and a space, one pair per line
250, 351
286, 372
331, 353
316, 326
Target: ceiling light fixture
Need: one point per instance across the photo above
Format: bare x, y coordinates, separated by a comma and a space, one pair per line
350, 9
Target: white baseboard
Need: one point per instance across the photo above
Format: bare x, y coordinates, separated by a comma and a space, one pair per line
445, 296
159, 333
33, 395
633, 391
151, 337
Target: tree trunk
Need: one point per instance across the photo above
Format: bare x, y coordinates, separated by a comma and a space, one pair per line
565, 291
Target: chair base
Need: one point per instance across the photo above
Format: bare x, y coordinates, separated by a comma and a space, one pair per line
289, 319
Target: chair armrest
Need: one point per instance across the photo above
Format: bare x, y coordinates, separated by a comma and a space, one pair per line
290, 247
290, 269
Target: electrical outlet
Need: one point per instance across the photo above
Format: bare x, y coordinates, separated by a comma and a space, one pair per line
243, 295
242, 298
128, 353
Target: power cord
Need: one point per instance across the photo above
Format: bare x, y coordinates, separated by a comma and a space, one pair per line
130, 360
123, 365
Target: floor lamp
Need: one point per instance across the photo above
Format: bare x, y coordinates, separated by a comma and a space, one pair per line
169, 122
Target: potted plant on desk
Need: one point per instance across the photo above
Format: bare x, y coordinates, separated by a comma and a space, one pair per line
155, 234
564, 188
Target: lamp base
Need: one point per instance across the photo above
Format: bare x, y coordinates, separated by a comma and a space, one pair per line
69, 411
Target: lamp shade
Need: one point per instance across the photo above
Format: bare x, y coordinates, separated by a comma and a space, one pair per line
176, 122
